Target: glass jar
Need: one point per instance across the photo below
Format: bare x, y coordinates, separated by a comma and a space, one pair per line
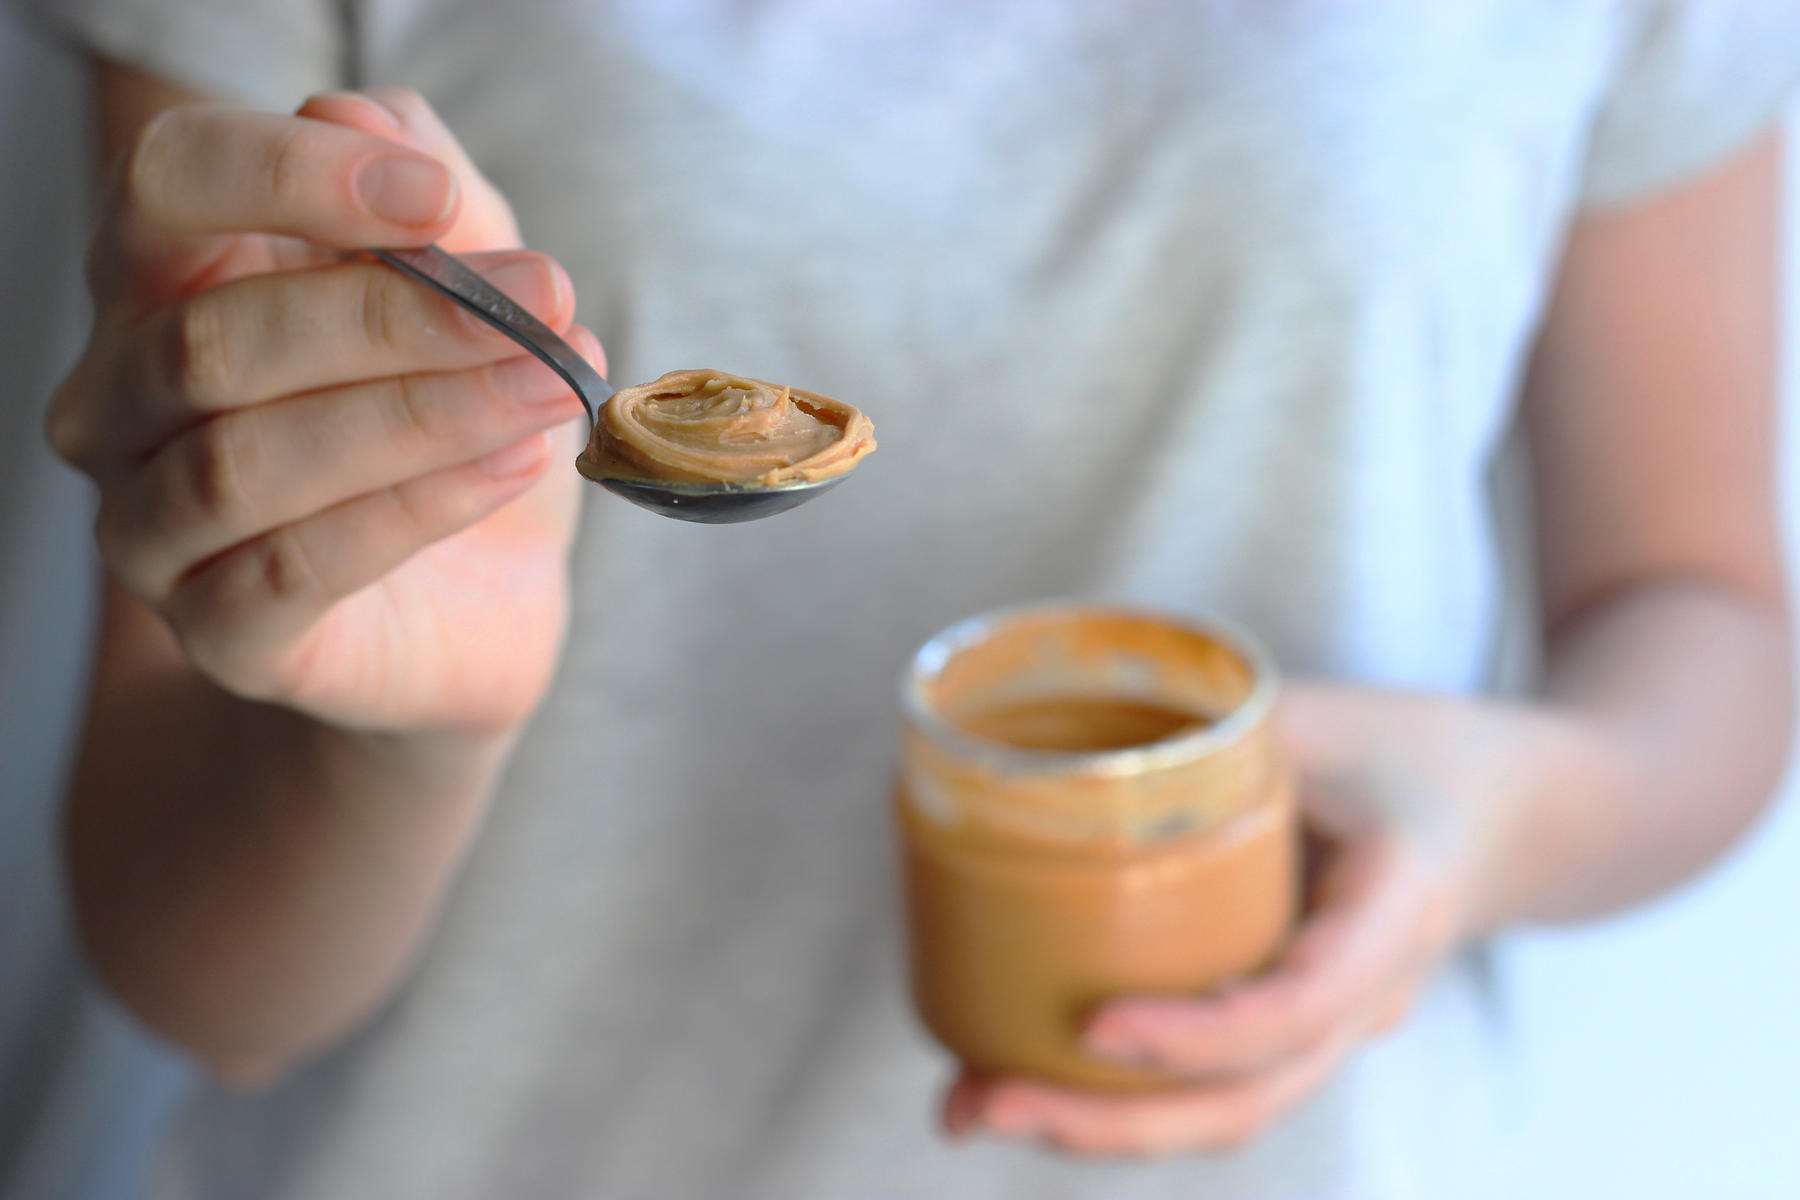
1091, 804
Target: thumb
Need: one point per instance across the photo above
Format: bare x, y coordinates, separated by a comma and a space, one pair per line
485, 220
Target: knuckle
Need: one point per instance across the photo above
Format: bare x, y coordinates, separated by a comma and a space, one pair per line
385, 310
148, 160
213, 471
417, 507
220, 614
217, 611
199, 352
289, 164
489, 395
211, 640
66, 428
417, 414
126, 551
78, 423
281, 568
200, 617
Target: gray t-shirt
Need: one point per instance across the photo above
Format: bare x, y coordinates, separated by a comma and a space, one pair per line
1246, 289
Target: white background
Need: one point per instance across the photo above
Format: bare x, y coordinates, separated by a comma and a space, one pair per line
1659, 1053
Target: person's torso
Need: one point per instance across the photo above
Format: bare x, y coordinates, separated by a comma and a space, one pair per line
1212, 307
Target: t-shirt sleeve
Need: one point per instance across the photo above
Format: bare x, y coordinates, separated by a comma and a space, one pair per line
270, 53
1693, 81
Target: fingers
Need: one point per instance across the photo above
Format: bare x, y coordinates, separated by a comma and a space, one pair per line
1207, 1117
347, 171
240, 615
1248, 1056
1252, 1054
217, 169
1336, 973
358, 110
266, 336
251, 470
484, 220
960, 1113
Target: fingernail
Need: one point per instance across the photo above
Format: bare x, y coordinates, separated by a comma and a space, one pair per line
406, 191
534, 282
366, 103
520, 458
528, 382
380, 110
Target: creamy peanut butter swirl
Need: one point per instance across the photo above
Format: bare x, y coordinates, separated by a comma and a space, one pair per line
709, 427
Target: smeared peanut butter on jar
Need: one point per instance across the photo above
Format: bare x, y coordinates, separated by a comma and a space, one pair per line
710, 427
1091, 804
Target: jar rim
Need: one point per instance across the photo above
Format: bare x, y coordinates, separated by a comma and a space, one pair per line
929, 661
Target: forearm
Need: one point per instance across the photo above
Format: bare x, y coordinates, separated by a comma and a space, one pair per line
1667, 718
320, 487
250, 882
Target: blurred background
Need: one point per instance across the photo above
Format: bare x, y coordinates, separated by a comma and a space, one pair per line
1658, 1053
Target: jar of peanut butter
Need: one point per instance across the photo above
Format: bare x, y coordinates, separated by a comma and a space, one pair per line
1091, 804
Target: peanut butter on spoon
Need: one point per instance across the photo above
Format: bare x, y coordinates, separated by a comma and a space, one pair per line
709, 427
687, 447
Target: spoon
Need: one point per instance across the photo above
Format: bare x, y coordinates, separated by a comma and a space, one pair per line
711, 503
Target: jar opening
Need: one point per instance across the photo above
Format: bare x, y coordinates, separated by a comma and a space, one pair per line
1082, 688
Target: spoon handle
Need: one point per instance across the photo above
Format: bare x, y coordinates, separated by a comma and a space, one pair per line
446, 273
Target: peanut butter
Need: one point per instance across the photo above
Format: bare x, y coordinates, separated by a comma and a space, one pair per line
1090, 805
1078, 723
709, 427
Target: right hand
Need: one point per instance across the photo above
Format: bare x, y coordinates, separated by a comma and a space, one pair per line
342, 493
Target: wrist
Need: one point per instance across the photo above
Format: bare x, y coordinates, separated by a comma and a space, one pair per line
445, 764
1550, 800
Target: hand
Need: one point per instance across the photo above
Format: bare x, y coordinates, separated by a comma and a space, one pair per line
1408, 803
342, 493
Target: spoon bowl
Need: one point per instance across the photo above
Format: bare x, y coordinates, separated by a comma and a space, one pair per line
716, 504
708, 503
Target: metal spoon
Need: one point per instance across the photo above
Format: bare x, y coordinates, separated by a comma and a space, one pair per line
711, 503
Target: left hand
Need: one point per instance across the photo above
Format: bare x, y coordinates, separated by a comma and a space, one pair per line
1408, 803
